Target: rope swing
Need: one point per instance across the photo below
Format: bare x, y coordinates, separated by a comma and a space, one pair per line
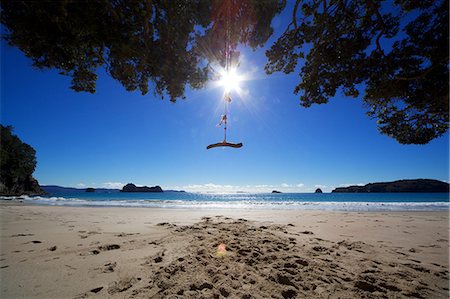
224, 121
227, 97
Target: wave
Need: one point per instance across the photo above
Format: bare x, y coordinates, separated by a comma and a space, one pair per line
237, 204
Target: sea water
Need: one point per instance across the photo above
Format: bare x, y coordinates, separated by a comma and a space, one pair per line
296, 201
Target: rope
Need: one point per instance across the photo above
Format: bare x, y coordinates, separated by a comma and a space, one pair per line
227, 69
225, 126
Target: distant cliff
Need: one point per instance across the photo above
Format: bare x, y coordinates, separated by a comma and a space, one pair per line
413, 186
17, 164
133, 188
59, 190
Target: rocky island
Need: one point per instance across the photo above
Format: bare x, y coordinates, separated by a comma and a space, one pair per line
133, 188
413, 186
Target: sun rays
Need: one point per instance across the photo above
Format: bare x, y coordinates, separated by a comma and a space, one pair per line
230, 80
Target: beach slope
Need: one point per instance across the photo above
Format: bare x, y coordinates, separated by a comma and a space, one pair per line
67, 252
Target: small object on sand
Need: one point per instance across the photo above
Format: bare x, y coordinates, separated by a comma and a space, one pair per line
96, 290
221, 250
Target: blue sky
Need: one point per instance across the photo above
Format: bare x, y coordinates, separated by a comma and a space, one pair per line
113, 137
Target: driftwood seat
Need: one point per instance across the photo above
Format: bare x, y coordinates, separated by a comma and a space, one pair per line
224, 143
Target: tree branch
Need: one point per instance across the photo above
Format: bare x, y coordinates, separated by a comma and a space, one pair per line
324, 3
382, 29
146, 21
424, 73
294, 14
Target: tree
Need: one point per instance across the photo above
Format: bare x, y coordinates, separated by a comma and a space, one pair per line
17, 164
162, 42
397, 50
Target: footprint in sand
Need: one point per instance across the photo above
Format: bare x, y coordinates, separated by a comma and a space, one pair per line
34, 242
121, 285
414, 250
104, 248
21, 235
126, 234
307, 232
107, 268
430, 246
109, 247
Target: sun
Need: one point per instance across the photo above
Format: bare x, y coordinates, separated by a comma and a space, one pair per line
229, 80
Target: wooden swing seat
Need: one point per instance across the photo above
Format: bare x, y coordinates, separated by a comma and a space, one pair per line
224, 143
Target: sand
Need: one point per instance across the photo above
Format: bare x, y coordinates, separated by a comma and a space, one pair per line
68, 252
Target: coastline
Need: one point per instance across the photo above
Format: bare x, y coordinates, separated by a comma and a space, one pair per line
68, 252
250, 201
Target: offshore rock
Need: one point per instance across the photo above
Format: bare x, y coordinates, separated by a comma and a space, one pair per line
133, 188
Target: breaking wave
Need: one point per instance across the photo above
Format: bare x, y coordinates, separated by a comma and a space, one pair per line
250, 202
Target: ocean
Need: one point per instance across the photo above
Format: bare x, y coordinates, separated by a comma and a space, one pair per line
291, 201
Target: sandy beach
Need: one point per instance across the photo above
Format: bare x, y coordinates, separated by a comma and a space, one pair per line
68, 252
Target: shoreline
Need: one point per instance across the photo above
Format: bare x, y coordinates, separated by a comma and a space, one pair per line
235, 204
81, 249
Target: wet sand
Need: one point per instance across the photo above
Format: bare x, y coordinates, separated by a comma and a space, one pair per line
68, 252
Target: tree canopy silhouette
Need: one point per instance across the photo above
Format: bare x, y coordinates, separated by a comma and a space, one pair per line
17, 164
394, 52
169, 43
397, 51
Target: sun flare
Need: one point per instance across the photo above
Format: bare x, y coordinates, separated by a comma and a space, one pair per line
229, 80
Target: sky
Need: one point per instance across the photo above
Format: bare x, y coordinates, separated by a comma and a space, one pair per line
114, 137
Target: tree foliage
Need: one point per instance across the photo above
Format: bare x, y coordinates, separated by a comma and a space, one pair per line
397, 50
18, 159
163, 42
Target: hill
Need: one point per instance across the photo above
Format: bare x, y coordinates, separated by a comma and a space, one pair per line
413, 186
53, 189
